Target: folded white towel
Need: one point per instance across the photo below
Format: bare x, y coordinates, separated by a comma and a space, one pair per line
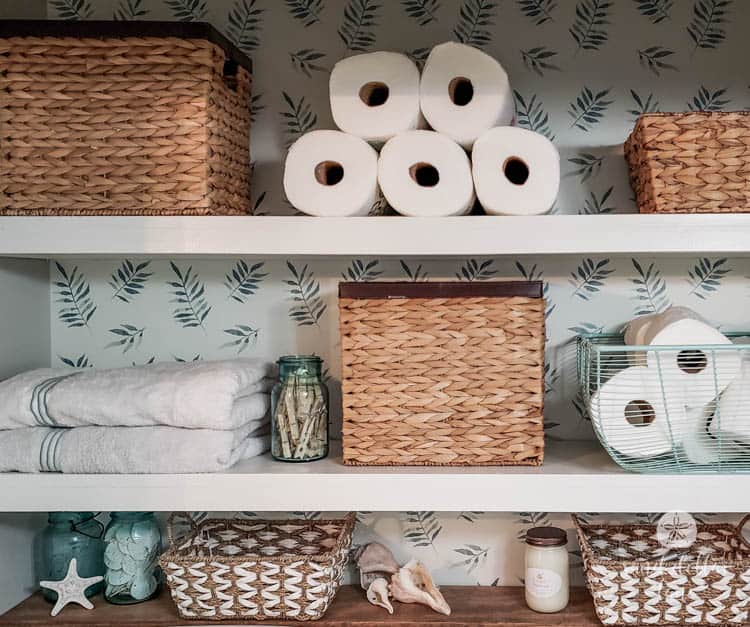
129, 450
196, 395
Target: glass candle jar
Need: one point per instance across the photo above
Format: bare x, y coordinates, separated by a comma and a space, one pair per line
547, 578
70, 535
131, 552
299, 406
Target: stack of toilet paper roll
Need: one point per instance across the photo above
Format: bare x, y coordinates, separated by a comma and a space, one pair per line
379, 101
677, 399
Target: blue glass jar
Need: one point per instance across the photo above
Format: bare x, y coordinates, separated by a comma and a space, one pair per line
132, 544
299, 406
70, 535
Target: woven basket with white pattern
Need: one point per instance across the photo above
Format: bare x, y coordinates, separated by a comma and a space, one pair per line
257, 569
636, 581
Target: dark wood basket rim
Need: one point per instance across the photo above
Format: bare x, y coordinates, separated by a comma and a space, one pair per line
440, 289
119, 29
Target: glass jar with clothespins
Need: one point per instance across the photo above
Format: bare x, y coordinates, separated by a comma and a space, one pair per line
299, 406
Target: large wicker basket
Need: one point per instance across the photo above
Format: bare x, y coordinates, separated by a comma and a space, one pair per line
636, 581
122, 118
257, 569
448, 374
695, 162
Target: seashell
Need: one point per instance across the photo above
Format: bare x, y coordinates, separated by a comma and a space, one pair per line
142, 587
376, 557
377, 594
116, 577
413, 584
129, 565
112, 556
122, 534
138, 551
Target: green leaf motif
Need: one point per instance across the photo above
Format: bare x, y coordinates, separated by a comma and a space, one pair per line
655, 10
654, 59
359, 271
707, 26
306, 11
473, 556
534, 273
530, 114
707, 100
256, 106
470, 517
650, 289
243, 336
413, 274
73, 9
643, 104
538, 59
244, 24
474, 18
82, 361
243, 280
551, 375
128, 280
180, 360
589, 277
305, 61
589, 28
422, 529
589, 108
532, 519
127, 336
538, 11
587, 328
74, 294
706, 276
128, 10
359, 20
190, 296
474, 270
419, 56
298, 119
594, 205
187, 10
304, 290
587, 165
423, 11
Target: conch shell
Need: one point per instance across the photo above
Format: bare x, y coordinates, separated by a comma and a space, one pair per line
413, 584
375, 561
378, 594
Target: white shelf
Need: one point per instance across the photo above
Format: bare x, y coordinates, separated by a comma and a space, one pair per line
576, 477
632, 234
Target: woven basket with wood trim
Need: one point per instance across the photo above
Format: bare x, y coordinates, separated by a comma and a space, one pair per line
257, 569
695, 162
122, 118
448, 374
634, 580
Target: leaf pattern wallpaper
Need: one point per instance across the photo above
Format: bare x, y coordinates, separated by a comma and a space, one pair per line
581, 71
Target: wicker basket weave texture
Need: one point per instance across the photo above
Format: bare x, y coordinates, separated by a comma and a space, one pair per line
255, 569
443, 381
632, 585
138, 125
695, 162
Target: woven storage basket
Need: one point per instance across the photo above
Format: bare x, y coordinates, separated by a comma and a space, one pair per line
448, 374
122, 118
635, 581
257, 569
691, 162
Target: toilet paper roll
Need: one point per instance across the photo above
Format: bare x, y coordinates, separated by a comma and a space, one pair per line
516, 171
426, 174
633, 415
669, 316
464, 92
375, 95
635, 331
333, 174
699, 446
694, 376
731, 420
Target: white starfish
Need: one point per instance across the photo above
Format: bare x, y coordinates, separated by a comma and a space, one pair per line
71, 589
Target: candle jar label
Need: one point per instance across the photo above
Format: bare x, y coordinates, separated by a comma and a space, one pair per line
543, 583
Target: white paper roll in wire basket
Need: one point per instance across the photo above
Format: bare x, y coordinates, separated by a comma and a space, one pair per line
669, 408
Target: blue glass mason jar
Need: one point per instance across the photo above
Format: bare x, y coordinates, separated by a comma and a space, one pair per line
299, 407
132, 544
70, 535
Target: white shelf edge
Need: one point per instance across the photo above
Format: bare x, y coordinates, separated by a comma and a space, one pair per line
631, 234
576, 477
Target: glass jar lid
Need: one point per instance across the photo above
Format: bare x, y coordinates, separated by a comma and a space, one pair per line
546, 536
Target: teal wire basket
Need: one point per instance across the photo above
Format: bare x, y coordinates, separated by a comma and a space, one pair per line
669, 409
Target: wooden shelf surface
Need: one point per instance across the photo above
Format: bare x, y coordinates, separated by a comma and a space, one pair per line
472, 607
